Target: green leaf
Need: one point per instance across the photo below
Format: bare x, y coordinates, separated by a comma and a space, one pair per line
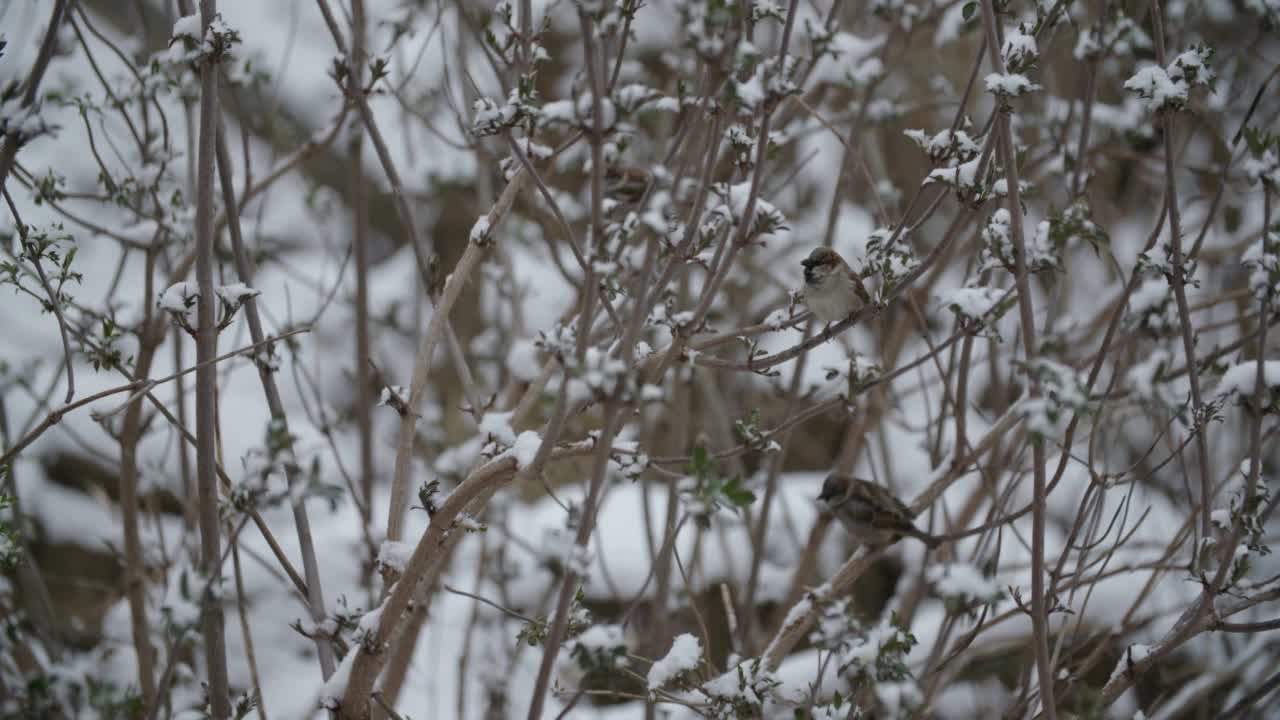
969, 9
749, 428
1231, 218
737, 495
701, 462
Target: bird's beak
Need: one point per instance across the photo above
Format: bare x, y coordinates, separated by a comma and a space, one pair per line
828, 494
806, 263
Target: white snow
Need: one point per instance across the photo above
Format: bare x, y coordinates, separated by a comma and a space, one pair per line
1009, 84
601, 637
236, 293
26, 122
1154, 85
1220, 518
1262, 258
1151, 294
849, 53
331, 692
778, 318
951, 24
525, 448
395, 554
397, 391
964, 581
188, 26
735, 206
522, 359
1088, 45
1019, 48
863, 652
944, 142
798, 611
667, 104
743, 683
480, 230
1170, 87
1265, 167
557, 111
851, 48
586, 107
181, 299
751, 92
181, 603
963, 175
898, 698
1193, 65
369, 621
866, 72
1242, 378
685, 654
972, 302
498, 426
1142, 376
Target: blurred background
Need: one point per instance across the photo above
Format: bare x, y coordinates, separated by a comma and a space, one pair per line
111, 173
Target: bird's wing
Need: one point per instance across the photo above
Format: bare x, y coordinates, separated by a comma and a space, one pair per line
882, 498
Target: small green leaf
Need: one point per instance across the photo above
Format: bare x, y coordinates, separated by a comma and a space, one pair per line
969, 9
737, 495
1231, 218
701, 463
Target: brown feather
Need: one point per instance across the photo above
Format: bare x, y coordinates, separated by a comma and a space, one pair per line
870, 512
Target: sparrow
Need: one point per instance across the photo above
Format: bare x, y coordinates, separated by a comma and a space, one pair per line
627, 184
870, 513
831, 290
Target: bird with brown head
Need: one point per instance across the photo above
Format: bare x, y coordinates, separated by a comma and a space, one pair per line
870, 513
831, 290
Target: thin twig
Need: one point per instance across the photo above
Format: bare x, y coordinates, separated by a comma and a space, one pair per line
206, 379
1039, 610
55, 298
266, 375
31, 87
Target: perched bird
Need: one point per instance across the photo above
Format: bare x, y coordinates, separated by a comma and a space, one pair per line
831, 290
870, 513
627, 184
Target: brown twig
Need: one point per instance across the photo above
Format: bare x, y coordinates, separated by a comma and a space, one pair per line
1039, 610
31, 86
206, 379
266, 375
